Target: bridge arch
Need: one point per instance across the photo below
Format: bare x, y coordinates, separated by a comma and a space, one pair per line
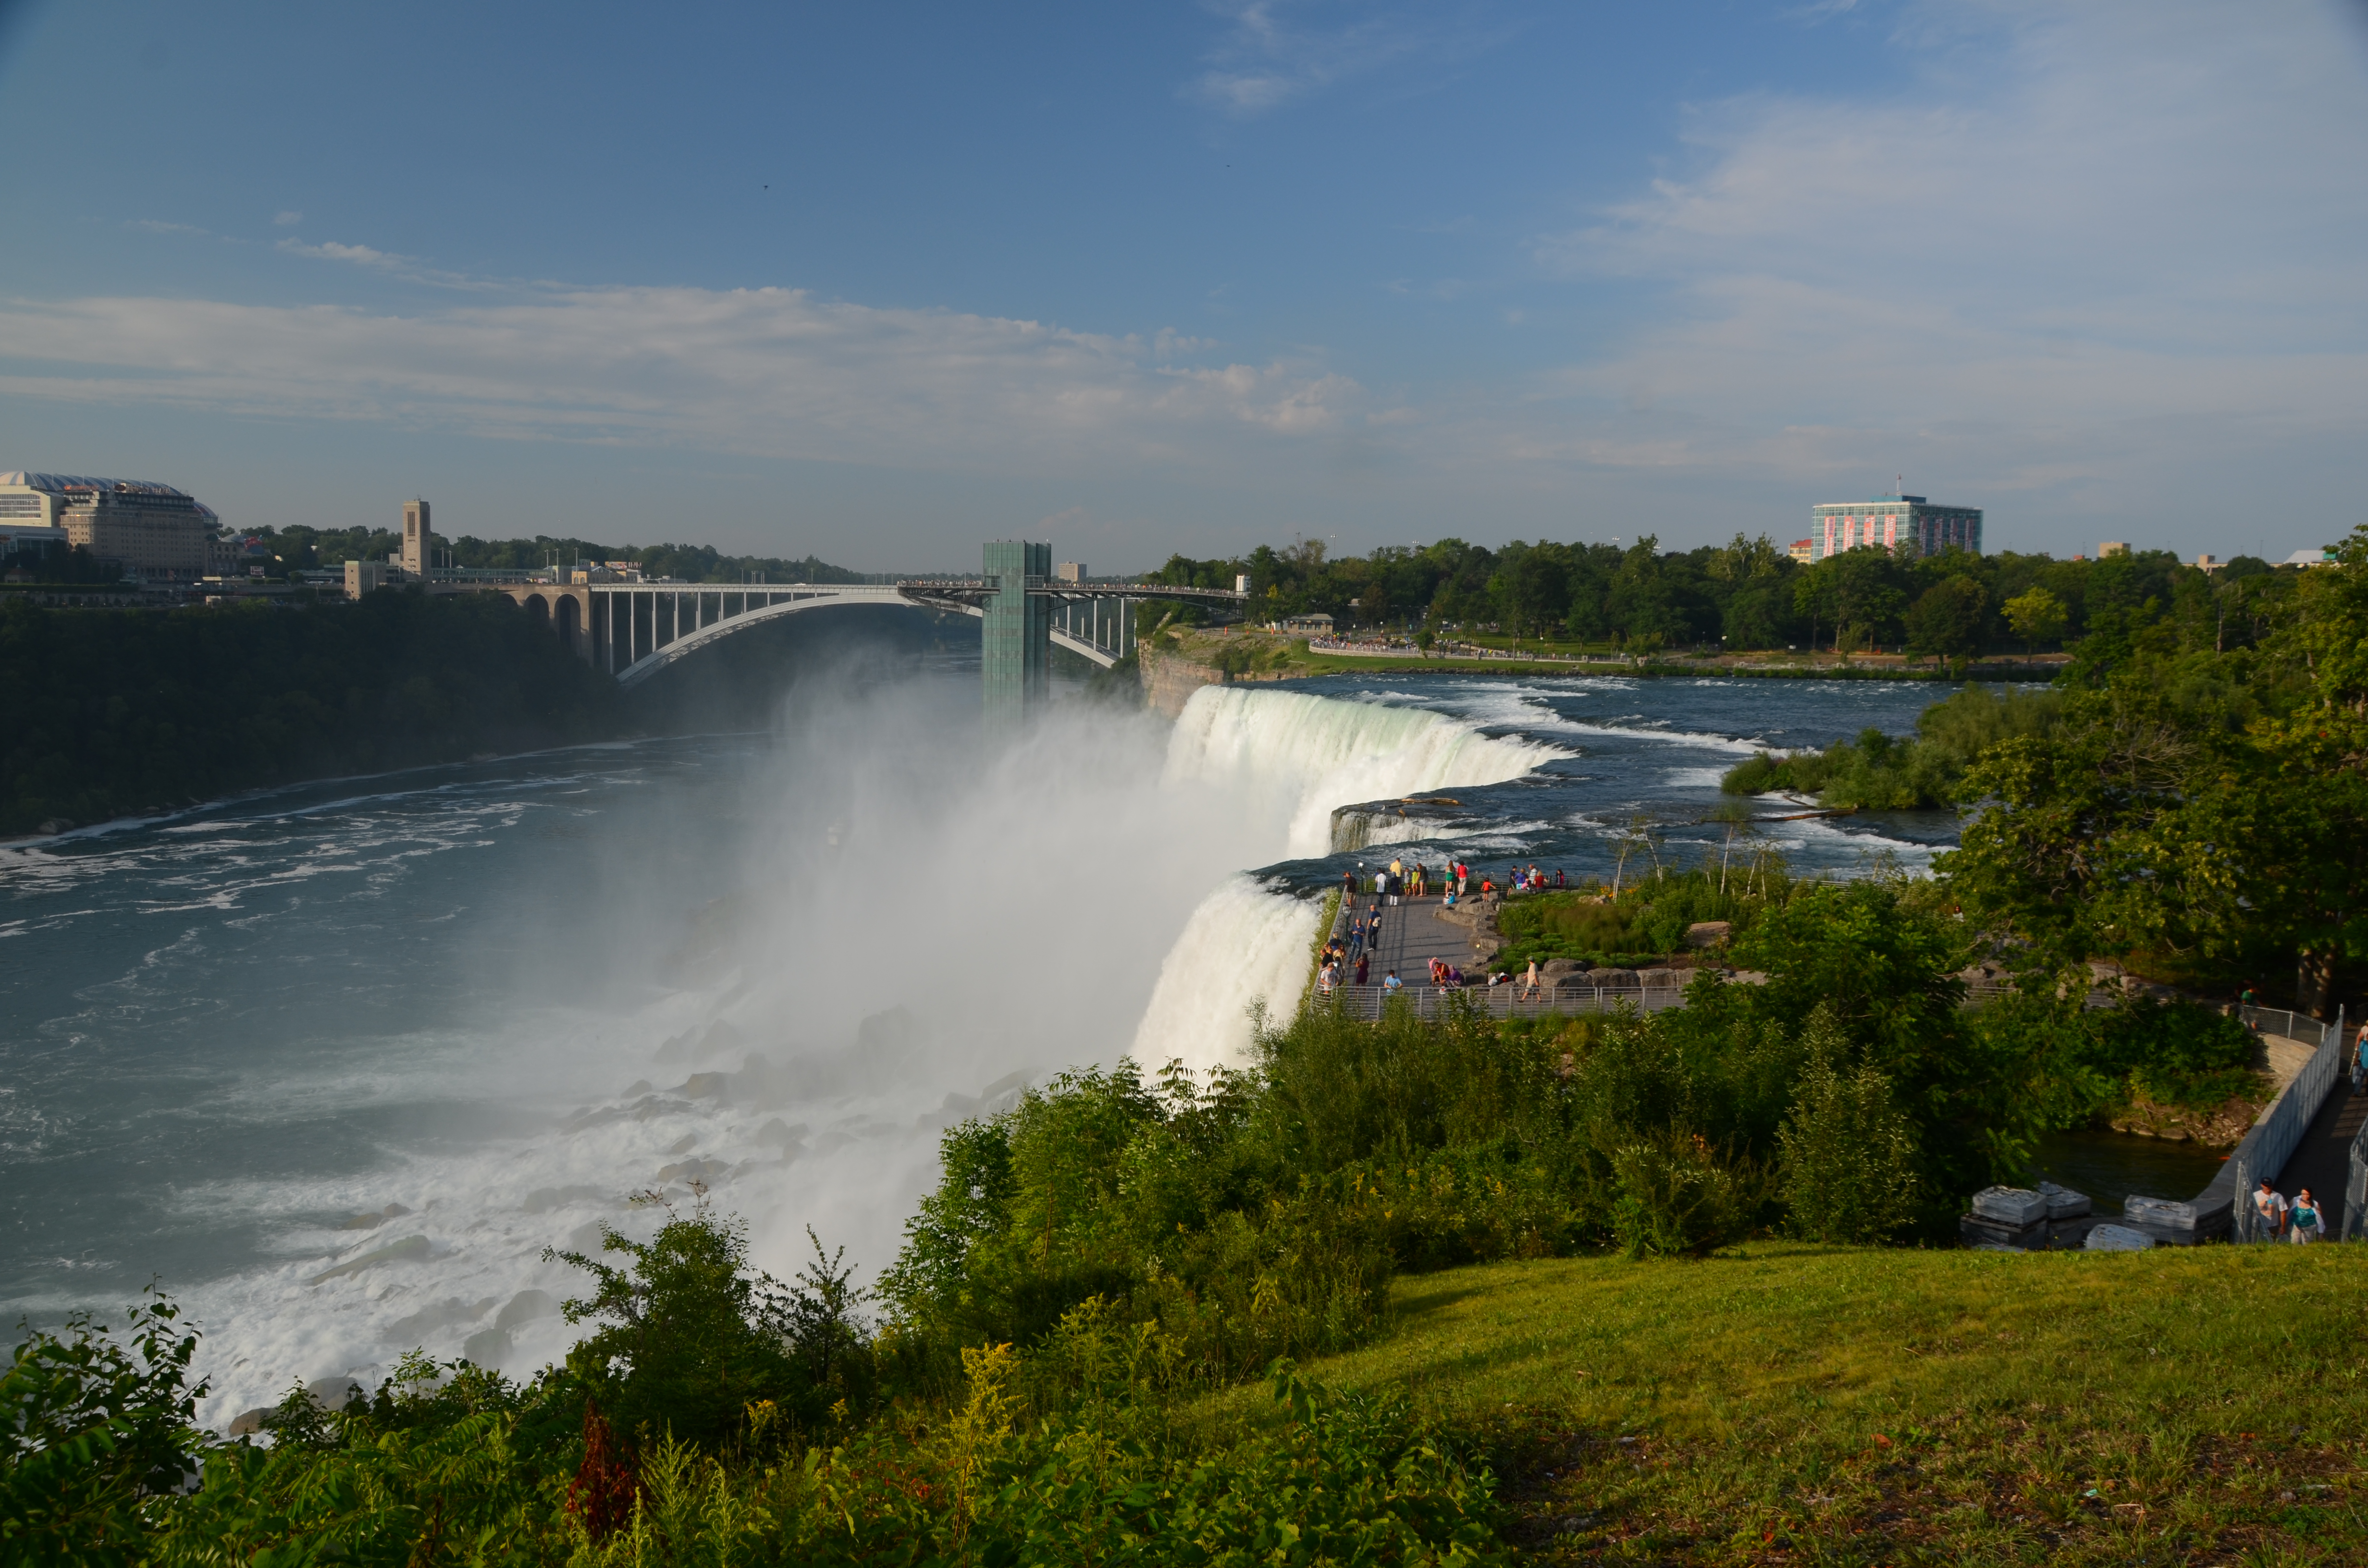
538, 609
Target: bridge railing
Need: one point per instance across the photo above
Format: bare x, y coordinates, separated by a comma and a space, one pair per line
1508, 1000
2270, 1143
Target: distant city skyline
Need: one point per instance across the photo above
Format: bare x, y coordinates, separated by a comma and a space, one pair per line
877, 282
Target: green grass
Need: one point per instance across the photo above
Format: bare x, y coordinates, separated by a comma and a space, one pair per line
1790, 1404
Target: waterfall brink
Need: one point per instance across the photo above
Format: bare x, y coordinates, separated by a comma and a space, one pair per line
1243, 946
1321, 753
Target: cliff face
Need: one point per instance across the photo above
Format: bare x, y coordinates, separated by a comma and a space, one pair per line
1169, 680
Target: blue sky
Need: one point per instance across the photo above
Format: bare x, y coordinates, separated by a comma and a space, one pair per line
881, 281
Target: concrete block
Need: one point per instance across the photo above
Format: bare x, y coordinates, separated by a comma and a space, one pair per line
1976, 1232
2118, 1238
2063, 1203
2014, 1206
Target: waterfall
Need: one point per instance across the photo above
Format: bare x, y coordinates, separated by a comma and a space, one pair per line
1318, 753
1243, 946
1299, 758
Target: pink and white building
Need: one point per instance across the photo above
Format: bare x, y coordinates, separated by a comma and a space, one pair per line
1904, 525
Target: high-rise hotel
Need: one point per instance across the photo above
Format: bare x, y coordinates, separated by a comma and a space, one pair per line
1904, 525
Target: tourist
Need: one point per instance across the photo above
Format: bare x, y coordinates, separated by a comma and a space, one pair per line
1488, 889
1348, 884
1324, 978
1530, 982
1361, 961
2307, 1223
2271, 1207
2359, 1061
1558, 878
1390, 983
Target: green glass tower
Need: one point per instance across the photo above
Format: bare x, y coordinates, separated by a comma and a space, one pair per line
1017, 635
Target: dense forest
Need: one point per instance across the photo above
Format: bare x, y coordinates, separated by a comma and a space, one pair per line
1747, 595
110, 712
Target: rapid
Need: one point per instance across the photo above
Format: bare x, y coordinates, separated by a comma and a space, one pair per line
337, 1063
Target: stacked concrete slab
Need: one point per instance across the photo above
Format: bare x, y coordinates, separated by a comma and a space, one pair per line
2017, 1219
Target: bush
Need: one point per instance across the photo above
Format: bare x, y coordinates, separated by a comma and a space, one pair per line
1848, 1153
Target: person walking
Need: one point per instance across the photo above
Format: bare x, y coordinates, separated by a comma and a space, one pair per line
2270, 1206
2306, 1222
1529, 982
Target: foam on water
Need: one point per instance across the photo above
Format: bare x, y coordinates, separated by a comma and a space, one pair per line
1317, 753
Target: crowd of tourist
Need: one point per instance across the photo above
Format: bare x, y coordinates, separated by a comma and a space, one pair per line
1346, 958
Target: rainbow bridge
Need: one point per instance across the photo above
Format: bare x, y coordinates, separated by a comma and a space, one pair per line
633, 629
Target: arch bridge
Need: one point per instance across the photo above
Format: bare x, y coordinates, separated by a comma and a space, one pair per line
634, 629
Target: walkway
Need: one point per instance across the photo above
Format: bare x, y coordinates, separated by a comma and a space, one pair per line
2322, 1161
1413, 932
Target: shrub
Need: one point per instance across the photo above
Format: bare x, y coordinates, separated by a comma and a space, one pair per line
1848, 1153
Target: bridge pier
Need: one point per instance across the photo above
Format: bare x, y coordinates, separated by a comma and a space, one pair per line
1015, 639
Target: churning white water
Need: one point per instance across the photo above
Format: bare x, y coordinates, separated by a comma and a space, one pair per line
1308, 755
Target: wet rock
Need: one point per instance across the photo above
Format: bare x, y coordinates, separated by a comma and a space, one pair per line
544, 1200
683, 1144
777, 1133
410, 1249
599, 1116
705, 1086
587, 1236
362, 1223
412, 1332
527, 1306
334, 1394
693, 1170
486, 1347
638, 1086
249, 1423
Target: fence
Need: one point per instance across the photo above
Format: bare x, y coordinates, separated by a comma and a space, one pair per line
1508, 1000
2270, 1143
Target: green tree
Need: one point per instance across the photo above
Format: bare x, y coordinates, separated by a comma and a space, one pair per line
2037, 616
1947, 620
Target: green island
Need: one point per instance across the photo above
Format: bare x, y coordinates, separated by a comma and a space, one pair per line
1673, 1288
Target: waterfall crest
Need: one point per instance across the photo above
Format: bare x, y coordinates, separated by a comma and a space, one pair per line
1321, 752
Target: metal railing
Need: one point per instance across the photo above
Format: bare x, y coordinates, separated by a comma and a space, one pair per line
2270, 1143
1510, 999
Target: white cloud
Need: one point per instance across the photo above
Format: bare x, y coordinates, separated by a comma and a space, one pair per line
359, 256
286, 219
1269, 56
766, 371
2129, 250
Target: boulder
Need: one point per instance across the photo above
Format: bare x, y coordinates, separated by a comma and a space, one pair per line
705, 1086
683, 1144
778, 1134
486, 1347
362, 1223
544, 1200
1663, 978
1709, 932
2063, 1203
2012, 1206
2118, 1238
527, 1306
693, 1170
412, 1332
249, 1423
334, 1394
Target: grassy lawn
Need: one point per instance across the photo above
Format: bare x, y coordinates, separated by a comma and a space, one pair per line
1798, 1405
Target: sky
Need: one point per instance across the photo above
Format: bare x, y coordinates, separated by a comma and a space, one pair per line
883, 281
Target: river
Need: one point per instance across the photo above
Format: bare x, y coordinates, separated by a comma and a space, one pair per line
497, 999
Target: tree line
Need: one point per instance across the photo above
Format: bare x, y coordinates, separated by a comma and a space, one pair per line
298, 547
1747, 594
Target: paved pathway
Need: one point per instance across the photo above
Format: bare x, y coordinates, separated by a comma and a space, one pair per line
1412, 935
2322, 1161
